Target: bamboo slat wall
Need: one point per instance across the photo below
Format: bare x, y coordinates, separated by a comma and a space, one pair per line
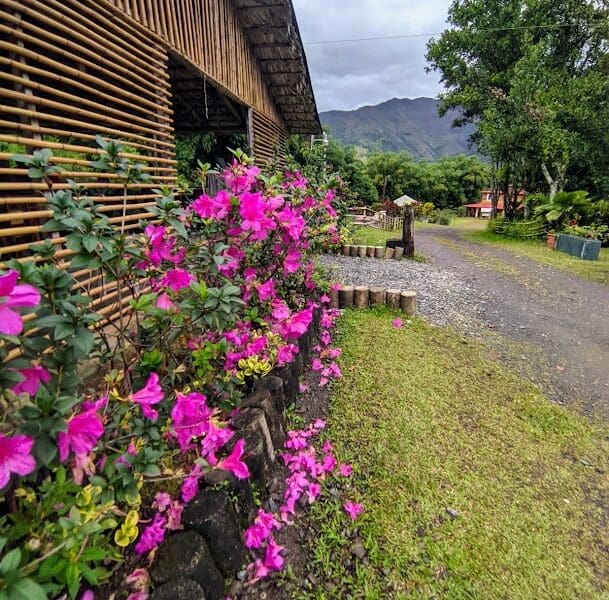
208, 34
69, 70
74, 69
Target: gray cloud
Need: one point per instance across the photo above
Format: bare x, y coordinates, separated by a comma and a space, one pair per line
349, 75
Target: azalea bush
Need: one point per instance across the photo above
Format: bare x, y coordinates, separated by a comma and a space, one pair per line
95, 462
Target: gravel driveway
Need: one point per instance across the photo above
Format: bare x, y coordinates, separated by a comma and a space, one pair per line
551, 325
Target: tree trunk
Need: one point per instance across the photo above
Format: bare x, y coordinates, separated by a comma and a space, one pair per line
408, 232
494, 191
552, 184
507, 204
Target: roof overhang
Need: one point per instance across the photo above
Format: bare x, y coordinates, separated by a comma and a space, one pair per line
272, 31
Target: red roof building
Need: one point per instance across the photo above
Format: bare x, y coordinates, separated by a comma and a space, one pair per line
484, 207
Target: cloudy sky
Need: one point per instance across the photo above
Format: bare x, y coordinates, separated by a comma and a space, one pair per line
349, 75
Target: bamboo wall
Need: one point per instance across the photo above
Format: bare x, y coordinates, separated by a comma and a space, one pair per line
74, 69
208, 34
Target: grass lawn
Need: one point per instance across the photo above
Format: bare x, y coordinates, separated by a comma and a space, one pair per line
595, 270
474, 484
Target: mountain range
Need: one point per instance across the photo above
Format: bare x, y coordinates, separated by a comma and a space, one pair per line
401, 124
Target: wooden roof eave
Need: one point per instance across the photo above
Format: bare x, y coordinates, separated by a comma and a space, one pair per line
273, 33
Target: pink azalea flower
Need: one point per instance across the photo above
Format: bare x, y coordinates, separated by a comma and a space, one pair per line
316, 364
177, 279
327, 447
353, 509
213, 208
152, 536
252, 211
345, 470
285, 354
303, 387
297, 325
87, 595
82, 434
15, 457
191, 418
266, 290
215, 439
14, 296
164, 302
32, 378
313, 492
325, 299
319, 424
143, 595
291, 263
233, 462
148, 396
397, 323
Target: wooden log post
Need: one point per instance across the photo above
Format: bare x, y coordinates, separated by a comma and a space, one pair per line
393, 298
377, 296
389, 253
408, 303
353, 250
379, 252
346, 250
346, 296
370, 251
361, 297
361, 251
398, 253
408, 231
334, 299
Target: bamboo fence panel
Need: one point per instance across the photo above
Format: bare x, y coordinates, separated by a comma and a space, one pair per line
70, 71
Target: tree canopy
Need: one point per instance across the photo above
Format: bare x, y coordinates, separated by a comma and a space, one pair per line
533, 76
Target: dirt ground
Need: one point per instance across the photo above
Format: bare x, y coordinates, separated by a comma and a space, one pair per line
559, 323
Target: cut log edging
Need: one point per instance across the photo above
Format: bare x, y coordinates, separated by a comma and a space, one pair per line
365, 297
372, 251
197, 563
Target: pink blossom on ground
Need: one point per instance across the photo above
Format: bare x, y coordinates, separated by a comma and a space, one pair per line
345, 470
303, 387
144, 595
353, 509
148, 396
139, 579
316, 364
81, 436
152, 536
32, 378
325, 299
190, 485
233, 462
319, 424
14, 296
327, 447
15, 457
397, 323
329, 463
87, 595
272, 556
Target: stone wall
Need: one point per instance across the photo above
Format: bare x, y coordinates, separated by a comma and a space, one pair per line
196, 563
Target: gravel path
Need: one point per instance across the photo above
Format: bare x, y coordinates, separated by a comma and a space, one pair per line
443, 297
550, 325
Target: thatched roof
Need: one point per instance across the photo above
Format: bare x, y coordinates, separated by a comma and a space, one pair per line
273, 33
404, 200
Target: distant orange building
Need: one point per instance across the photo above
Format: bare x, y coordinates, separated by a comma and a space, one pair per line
484, 207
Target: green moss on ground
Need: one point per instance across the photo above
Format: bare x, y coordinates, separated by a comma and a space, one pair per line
474, 484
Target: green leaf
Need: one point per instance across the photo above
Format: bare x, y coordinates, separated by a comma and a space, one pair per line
152, 470
27, 589
45, 450
84, 341
10, 562
73, 577
89, 241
